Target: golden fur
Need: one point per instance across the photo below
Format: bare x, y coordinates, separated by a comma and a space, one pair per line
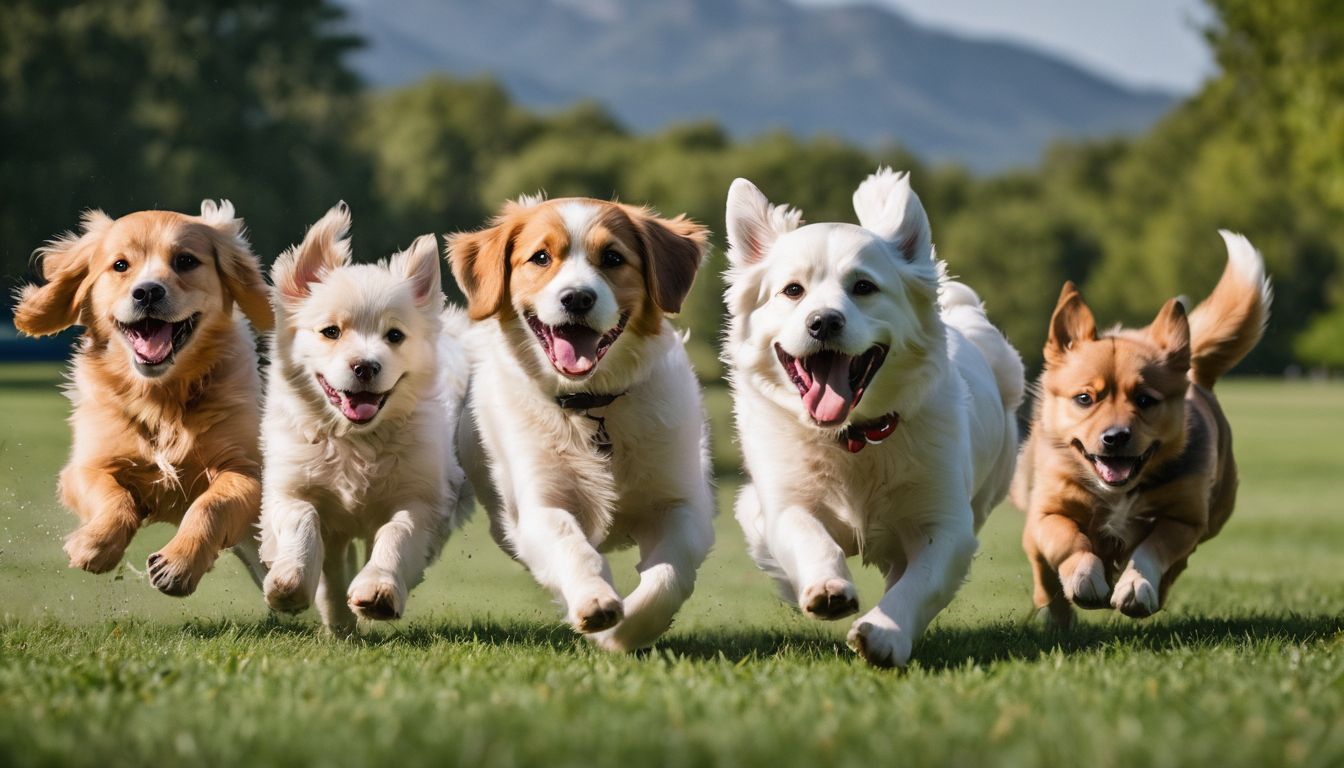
1122, 541
180, 447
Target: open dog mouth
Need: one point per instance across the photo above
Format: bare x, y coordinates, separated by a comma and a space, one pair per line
574, 350
832, 383
1116, 470
358, 407
154, 341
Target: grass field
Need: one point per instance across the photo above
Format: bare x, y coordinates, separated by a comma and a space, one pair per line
1246, 667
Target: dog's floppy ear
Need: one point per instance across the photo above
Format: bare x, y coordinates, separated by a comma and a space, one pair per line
64, 264
673, 251
324, 248
419, 265
1071, 322
238, 267
754, 224
1170, 330
480, 262
888, 207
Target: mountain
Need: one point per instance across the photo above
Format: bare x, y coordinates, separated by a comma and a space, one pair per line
864, 73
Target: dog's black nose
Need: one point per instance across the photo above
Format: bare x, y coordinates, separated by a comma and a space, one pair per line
1115, 437
365, 370
146, 294
577, 301
825, 323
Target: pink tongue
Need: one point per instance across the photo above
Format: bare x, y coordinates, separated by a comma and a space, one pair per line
1118, 472
574, 349
360, 406
152, 341
829, 397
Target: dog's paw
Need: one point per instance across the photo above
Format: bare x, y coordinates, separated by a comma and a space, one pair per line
377, 594
1084, 580
288, 588
175, 571
598, 611
829, 600
880, 642
89, 551
1135, 596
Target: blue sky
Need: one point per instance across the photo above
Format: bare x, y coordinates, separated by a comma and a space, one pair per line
1137, 42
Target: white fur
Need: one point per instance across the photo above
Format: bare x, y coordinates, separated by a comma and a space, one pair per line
393, 482
556, 504
912, 504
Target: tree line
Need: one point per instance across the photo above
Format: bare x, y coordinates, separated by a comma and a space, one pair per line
150, 104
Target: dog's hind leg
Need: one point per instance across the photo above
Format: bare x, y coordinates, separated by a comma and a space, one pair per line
247, 554
671, 550
337, 618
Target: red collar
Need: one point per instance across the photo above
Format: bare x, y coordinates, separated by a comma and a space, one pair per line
859, 436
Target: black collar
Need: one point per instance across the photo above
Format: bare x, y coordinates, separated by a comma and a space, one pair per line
582, 402
859, 436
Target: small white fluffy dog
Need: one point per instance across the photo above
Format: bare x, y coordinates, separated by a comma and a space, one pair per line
363, 397
588, 430
875, 407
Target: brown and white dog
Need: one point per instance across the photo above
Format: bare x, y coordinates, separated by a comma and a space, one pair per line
1129, 464
164, 385
588, 430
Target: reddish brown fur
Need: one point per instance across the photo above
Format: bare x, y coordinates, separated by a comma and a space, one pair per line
181, 448
1186, 490
661, 257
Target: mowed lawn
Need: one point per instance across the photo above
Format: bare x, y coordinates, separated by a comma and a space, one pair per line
1245, 667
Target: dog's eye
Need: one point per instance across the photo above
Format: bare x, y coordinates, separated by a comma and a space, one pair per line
121, 265
793, 290
331, 332
1083, 399
864, 287
1146, 400
184, 262
611, 258
541, 258
395, 336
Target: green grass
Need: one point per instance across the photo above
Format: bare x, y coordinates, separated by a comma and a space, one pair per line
1246, 666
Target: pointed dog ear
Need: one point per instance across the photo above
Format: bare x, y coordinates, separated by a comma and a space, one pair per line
419, 265
64, 264
324, 248
480, 262
753, 223
238, 267
1170, 330
673, 252
888, 207
1072, 322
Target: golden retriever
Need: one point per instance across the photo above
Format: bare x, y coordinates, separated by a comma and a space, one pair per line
164, 385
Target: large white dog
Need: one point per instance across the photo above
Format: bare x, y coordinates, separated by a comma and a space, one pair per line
362, 401
875, 408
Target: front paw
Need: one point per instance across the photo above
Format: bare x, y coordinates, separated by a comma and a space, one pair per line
377, 594
600, 609
829, 600
91, 551
289, 586
879, 641
1084, 580
1135, 596
175, 571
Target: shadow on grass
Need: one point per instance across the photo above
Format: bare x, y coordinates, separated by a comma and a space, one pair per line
940, 650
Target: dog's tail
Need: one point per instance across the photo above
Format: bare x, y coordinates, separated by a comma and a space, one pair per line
1229, 323
962, 309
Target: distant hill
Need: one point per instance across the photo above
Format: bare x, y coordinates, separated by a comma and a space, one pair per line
860, 72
